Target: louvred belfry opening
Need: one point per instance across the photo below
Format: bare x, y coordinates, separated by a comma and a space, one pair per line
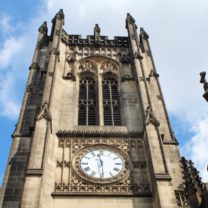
87, 101
111, 104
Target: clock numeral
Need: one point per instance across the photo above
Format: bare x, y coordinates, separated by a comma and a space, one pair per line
101, 152
115, 158
92, 153
86, 157
86, 169
116, 169
93, 173
110, 174
117, 163
84, 163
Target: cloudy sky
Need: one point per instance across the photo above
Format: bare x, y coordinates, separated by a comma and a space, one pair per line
178, 33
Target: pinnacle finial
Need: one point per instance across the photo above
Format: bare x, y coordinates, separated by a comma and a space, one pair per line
97, 32
130, 19
143, 33
59, 15
43, 28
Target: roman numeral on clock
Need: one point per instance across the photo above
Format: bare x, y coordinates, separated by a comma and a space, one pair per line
93, 173
117, 163
86, 169
84, 163
116, 169
92, 153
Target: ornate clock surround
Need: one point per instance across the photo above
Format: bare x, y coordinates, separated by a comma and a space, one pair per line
76, 164
133, 180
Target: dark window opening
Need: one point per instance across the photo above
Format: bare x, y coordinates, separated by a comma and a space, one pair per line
87, 102
111, 104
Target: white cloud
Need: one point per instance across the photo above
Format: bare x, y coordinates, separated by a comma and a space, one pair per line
8, 105
5, 25
10, 47
196, 148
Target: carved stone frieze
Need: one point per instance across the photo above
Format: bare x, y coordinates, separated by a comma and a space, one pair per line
125, 189
108, 66
87, 66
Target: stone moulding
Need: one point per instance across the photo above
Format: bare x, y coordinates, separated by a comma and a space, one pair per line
85, 133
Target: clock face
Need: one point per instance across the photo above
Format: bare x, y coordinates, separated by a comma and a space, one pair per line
101, 163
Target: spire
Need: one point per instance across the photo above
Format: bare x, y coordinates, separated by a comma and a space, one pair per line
96, 32
143, 34
43, 28
59, 15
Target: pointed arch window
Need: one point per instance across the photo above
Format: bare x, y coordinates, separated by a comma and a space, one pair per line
87, 101
111, 104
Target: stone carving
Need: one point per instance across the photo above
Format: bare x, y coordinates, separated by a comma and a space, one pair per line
44, 113
125, 59
128, 189
133, 36
205, 82
143, 34
34, 65
43, 28
126, 77
96, 32
153, 73
148, 53
87, 66
99, 133
137, 55
159, 97
50, 74
108, 66
72, 56
181, 198
150, 117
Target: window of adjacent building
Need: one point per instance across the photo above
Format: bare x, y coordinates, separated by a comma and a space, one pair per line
87, 101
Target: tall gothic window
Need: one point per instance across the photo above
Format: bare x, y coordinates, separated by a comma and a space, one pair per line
87, 101
111, 104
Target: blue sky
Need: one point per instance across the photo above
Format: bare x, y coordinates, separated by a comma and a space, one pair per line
178, 37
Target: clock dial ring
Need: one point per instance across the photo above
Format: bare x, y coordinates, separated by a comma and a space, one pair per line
100, 168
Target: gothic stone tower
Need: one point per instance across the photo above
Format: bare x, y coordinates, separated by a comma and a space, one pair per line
93, 130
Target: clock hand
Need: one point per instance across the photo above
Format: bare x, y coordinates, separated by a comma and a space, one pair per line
101, 163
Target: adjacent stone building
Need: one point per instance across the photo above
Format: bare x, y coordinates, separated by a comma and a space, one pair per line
93, 129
